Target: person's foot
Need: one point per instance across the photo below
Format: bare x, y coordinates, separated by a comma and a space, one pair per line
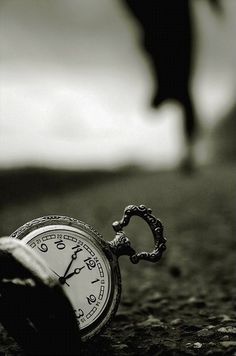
187, 166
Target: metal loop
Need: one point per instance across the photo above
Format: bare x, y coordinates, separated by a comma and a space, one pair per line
121, 244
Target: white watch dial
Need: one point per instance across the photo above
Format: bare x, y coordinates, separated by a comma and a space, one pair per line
80, 267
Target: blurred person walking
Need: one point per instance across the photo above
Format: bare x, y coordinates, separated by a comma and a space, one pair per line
168, 38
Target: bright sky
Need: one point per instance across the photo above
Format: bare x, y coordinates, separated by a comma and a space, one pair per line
75, 87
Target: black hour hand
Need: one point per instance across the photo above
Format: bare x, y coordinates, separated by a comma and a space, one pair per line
76, 271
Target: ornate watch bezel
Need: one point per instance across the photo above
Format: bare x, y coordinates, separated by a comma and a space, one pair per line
104, 247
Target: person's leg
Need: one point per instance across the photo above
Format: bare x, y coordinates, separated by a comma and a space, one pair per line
190, 132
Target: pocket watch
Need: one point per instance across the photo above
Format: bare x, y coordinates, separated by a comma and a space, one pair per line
85, 264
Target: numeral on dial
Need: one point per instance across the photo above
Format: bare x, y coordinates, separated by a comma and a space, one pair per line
77, 247
95, 281
91, 299
60, 244
43, 248
90, 263
79, 313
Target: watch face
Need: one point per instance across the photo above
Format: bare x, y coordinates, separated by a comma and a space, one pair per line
82, 268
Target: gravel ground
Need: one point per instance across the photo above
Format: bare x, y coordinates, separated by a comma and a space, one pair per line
184, 305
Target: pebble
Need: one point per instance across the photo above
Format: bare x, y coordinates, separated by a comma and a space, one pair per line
226, 318
156, 297
202, 312
205, 333
221, 318
227, 344
225, 338
152, 322
197, 345
227, 330
199, 303
210, 326
213, 318
176, 321
214, 352
212, 344
120, 346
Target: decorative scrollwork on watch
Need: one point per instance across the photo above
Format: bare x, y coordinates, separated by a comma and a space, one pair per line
121, 244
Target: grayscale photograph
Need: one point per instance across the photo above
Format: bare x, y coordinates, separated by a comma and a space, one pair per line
117, 177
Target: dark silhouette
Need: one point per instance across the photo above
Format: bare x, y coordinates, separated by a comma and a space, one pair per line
33, 306
168, 39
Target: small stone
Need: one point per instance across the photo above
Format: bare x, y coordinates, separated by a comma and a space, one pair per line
223, 318
152, 322
227, 330
120, 346
205, 333
197, 345
225, 338
199, 303
202, 312
210, 327
226, 318
212, 318
191, 300
156, 297
176, 321
227, 344
172, 307
213, 352
169, 344
212, 344
188, 344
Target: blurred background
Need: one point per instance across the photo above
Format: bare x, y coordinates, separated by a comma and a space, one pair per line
79, 137
75, 85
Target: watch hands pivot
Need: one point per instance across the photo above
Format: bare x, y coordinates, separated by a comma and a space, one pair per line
62, 280
59, 276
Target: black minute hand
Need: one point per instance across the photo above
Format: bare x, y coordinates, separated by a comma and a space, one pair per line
73, 257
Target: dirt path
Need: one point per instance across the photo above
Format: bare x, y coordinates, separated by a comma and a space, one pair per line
182, 306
